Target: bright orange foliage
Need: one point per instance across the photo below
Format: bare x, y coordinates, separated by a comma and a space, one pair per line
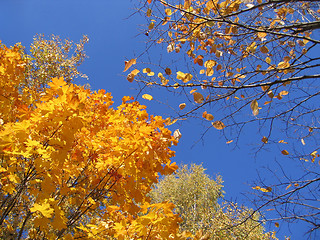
74, 167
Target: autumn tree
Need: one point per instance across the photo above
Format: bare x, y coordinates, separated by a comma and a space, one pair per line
72, 166
198, 201
245, 63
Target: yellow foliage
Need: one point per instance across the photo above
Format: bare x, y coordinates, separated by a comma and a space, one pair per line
79, 167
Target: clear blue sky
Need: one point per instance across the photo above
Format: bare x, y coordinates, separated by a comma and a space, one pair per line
112, 41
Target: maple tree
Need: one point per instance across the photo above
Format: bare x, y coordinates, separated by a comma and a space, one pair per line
195, 196
245, 63
74, 167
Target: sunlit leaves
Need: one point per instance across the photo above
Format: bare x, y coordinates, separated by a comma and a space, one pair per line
266, 190
44, 208
129, 63
148, 72
131, 75
185, 77
75, 144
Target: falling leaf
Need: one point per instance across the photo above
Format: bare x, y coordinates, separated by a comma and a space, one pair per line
129, 63
147, 97
182, 106
285, 152
218, 125
254, 107
198, 98
177, 134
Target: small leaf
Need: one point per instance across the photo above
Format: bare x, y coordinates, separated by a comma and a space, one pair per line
209, 117
182, 106
168, 12
288, 186
229, 142
149, 11
198, 98
276, 224
264, 140
254, 107
151, 26
302, 141
218, 125
168, 71
177, 134
129, 63
285, 152
264, 49
147, 97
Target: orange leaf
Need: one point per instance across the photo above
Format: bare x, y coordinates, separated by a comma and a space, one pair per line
218, 125
182, 106
198, 98
129, 63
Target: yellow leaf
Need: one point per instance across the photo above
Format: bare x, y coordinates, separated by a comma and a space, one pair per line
218, 125
147, 97
129, 63
285, 152
262, 34
229, 141
198, 98
149, 11
276, 224
268, 60
45, 209
192, 91
168, 12
283, 65
288, 186
185, 77
151, 26
302, 141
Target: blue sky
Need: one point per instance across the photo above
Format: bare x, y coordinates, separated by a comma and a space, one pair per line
113, 39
